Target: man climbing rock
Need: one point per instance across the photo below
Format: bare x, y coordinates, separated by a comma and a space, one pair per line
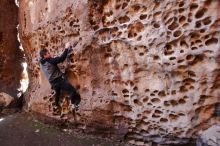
56, 77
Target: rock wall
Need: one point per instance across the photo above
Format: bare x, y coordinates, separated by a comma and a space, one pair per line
11, 56
147, 70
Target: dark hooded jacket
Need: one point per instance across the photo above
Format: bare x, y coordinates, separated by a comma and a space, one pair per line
50, 68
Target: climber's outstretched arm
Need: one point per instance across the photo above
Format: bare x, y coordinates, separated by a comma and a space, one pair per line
60, 58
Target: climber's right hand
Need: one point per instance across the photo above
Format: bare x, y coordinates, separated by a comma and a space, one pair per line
67, 45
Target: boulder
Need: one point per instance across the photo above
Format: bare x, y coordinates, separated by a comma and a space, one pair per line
5, 100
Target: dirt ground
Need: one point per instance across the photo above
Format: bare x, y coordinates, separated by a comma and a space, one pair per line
20, 129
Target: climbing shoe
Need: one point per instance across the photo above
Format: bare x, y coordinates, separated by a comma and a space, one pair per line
75, 107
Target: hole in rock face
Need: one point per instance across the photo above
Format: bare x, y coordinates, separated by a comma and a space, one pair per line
136, 101
185, 25
207, 2
126, 95
136, 27
172, 58
155, 116
198, 41
71, 23
181, 10
194, 35
211, 41
162, 93
168, 50
177, 33
152, 94
168, 47
124, 5
163, 120
155, 100
158, 112
145, 99
156, 57
197, 59
173, 92
193, 6
207, 20
194, 48
189, 57
125, 91
173, 26
170, 20
117, 6
173, 102
200, 13
155, 91
198, 24
141, 54
173, 117
138, 39
147, 90
166, 103
136, 8
181, 4
202, 30
156, 25
184, 44
191, 73
135, 88
182, 19
202, 99
180, 61
143, 16
182, 101
157, 14
123, 19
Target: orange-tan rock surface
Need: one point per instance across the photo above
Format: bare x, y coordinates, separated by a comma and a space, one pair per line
11, 56
147, 70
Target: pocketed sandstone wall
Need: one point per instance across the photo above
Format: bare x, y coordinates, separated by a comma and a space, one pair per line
147, 70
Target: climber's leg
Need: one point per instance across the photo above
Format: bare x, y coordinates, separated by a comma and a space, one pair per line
74, 96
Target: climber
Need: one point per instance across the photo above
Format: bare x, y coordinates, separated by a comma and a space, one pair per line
56, 77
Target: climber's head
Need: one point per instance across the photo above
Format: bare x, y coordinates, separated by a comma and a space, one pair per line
44, 53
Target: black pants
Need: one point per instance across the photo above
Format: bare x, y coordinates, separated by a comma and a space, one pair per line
61, 84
